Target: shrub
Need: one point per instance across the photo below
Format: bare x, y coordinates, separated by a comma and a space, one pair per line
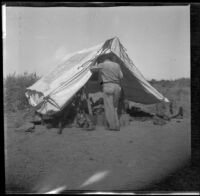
14, 90
177, 91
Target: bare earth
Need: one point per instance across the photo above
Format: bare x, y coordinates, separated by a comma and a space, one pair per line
131, 159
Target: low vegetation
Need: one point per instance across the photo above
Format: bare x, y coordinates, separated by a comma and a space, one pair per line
14, 91
177, 91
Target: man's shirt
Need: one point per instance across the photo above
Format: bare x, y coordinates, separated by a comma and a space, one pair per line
110, 71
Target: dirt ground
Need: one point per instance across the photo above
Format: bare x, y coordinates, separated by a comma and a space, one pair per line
140, 154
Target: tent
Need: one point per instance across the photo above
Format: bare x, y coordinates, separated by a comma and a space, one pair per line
53, 91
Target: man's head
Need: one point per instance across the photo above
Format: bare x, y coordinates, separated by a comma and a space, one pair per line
104, 57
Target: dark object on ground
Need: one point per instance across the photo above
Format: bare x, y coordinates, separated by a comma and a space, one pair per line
137, 112
158, 121
164, 117
60, 119
179, 115
26, 127
142, 119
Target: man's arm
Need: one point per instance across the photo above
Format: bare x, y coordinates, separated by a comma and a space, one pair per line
120, 73
95, 67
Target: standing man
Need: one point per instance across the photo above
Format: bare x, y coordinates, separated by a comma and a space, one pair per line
110, 76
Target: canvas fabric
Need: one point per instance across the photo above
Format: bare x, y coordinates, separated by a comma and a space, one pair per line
55, 89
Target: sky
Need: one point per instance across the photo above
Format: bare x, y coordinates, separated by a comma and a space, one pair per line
157, 38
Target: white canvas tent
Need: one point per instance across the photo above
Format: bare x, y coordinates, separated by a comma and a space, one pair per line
54, 90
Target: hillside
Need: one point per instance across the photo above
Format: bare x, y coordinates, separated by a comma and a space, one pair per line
178, 93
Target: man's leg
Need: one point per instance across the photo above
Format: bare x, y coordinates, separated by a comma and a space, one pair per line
109, 110
116, 99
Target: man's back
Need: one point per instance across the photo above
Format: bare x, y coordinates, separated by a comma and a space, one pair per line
110, 71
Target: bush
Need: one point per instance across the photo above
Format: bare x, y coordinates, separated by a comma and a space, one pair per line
14, 91
177, 91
